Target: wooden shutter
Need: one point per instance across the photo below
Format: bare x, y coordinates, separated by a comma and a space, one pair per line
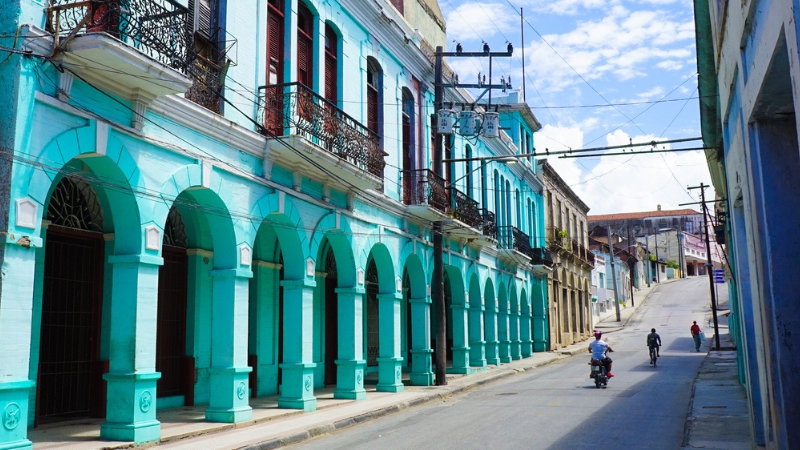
331, 55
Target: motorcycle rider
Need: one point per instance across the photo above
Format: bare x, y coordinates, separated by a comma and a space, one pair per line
598, 348
654, 341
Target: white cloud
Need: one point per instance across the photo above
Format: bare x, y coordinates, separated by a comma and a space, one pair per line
670, 65
626, 183
479, 21
622, 45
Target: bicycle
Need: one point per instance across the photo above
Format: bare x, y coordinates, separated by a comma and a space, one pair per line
653, 356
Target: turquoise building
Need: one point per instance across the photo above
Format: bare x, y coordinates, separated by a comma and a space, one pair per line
206, 201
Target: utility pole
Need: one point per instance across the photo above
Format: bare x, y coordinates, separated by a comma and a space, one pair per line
613, 275
649, 266
630, 266
658, 272
437, 282
437, 290
709, 265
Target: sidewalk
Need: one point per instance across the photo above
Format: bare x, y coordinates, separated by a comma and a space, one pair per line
718, 416
273, 427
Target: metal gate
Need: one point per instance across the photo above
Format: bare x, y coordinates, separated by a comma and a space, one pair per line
69, 380
373, 332
331, 318
171, 331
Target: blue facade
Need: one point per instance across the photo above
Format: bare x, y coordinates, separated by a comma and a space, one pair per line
236, 202
747, 76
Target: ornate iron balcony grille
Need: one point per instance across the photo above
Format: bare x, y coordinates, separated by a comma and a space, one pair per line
215, 51
156, 28
423, 187
465, 209
513, 238
207, 84
489, 223
293, 108
541, 256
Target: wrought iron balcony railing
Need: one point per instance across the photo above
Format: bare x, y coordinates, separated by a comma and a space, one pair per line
156, 28
293, 108
489, 223
215, 51
207, 84
423, 187
465, 209
541, 256
514, 239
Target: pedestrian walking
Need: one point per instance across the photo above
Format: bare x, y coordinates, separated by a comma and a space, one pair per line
696, 335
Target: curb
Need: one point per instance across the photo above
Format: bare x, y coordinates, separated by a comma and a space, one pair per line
378, 413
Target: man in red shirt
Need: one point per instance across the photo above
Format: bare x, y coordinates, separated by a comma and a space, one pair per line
696, 336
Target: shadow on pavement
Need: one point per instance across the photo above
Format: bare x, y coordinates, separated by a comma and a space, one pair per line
649, 415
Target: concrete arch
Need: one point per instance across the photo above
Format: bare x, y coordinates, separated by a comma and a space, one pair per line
385, 262
337, 231
476, 341
412, 255
490, 323
281, 220
416, 274
203, 209
115, 168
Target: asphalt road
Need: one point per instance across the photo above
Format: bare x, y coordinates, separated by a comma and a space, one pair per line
558, 406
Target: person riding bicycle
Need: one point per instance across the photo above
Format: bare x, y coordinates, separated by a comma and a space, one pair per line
598, 348
654, 341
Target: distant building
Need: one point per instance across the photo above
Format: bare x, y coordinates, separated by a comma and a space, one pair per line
568, 287
648, 222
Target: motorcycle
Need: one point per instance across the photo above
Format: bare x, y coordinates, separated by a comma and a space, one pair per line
599, 373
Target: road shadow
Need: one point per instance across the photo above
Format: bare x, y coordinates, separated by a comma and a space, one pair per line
662, 400
681, 344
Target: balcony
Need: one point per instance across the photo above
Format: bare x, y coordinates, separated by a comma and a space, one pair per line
215, 50
542, 260
514, 245
319, 139
137, 49
469, 218
424, 194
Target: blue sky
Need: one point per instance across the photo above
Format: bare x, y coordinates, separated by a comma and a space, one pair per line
581, 56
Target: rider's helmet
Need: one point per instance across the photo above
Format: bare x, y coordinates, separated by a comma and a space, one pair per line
652, 330
597, 334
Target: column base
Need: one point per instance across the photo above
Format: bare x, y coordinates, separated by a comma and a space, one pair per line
505, 352
477, 354
527, 348
229, 415
229, 400
422, 368
138, 433
297, 390
390, 375
350, 379
492, 356
539, 347
464, 370
14, 414
23, 444
516, 352
460, 360
131, 408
